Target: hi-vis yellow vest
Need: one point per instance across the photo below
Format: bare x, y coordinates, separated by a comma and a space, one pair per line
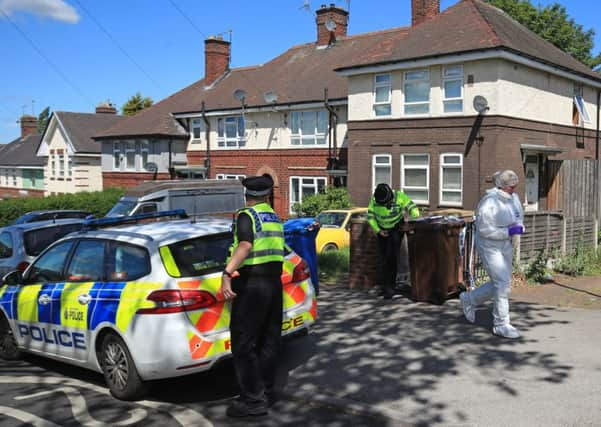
382, 218
268, 236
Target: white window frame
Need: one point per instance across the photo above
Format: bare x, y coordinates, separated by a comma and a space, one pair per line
223, 141
229, 176
144, 148
388, 102
196, 124
582, 111
405, 167
311, 140
61, 165
375, 165
14, 178
446, 79
116, 156
301, 185
69, 165
53, 164
444, 165
405, 103
127, 149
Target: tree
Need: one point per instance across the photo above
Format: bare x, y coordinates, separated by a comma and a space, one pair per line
553, 24
43, 120
136, 103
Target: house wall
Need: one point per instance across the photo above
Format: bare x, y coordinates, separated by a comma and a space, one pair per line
511, 90
266, 130
158, 153
503, 137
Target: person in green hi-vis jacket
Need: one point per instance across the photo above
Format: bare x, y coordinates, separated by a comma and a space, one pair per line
385, 215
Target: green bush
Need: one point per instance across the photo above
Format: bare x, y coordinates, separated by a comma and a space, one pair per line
331, 198
98, 203
537, 270
584, 261
333, 265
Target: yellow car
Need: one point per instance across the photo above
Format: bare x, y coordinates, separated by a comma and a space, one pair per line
335, 225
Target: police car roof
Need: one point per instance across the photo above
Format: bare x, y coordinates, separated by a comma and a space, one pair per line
164, 232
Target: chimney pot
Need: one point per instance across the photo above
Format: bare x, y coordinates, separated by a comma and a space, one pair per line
29, 125
217, 59
106, 108
424, 10
338, 16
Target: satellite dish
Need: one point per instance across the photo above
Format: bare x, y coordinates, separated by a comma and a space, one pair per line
270, 97
151, 167
480, 104
239, 95
330, 25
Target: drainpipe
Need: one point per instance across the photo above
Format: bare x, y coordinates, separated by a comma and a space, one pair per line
207, 134
333, 124
597, 139
170, 169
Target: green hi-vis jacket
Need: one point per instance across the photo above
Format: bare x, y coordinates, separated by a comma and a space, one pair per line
268, 236
380, 217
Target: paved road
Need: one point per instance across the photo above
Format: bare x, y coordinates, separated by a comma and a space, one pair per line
368, 362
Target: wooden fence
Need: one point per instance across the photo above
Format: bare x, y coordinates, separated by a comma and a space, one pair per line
574, 187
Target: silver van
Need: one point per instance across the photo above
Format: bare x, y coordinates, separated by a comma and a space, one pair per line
196, 197
21, 243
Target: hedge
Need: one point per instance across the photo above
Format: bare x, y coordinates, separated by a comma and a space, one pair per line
98, 203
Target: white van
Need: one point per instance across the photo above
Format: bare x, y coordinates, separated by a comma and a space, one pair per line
196, 197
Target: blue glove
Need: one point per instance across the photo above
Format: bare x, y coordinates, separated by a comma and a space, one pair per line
515, 229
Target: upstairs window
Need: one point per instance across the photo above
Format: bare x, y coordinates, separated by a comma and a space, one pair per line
452, 89
381, 170
382, 95
144, 152
451, 179
415, 177
230, 132
116, 156
197, 126
308, 127
417, 92
579, 113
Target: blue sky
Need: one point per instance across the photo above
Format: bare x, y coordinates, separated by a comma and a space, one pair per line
72, 54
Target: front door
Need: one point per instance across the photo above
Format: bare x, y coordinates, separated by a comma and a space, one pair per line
532, 176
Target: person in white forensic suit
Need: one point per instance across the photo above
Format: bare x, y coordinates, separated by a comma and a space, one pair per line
499, 217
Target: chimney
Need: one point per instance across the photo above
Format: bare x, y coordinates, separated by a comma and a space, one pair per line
29, 125
331, 24
424, 10
106, 108
217, 59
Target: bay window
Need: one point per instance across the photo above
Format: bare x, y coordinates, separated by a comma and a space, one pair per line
116, 156
130, 155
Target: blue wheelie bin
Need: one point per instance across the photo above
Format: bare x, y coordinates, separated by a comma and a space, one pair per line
300, 235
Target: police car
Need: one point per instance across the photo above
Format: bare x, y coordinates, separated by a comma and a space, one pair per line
137, 302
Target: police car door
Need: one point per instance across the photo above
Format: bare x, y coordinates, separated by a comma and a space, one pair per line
37, 320
85, 274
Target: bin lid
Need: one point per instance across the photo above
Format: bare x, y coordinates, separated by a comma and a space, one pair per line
436, 222
300, 225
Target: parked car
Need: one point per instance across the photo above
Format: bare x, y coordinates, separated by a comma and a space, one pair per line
51, 214
137, 302
335, 225
21, 243
196, 197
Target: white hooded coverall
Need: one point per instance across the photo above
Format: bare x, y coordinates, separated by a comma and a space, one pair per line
495, 213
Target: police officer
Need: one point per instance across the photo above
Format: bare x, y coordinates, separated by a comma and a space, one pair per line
385, 215
252, 280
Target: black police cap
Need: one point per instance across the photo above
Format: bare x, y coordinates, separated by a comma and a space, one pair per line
258, 185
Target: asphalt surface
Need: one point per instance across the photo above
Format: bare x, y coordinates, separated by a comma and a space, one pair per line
368, 362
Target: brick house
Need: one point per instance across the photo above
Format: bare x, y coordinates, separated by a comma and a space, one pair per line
285, 118
412, 108
70, 156
21, 171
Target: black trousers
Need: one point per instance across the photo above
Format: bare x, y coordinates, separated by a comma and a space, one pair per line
388, 249
256, 331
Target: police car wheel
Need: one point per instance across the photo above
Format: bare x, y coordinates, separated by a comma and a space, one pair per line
119, 370
8, 344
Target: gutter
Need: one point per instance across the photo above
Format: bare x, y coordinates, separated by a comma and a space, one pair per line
332, 117
207, 135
